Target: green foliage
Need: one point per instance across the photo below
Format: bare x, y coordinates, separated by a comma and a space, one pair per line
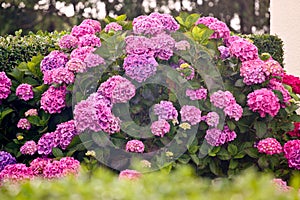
181, 184
17, 48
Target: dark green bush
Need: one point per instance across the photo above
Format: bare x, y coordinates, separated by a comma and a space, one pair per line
15, 49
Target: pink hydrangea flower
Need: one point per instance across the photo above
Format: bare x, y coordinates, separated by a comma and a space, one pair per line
118, 89
46, 143
25, 91
165, 110
81, 52
37, 165
53, 170
76, 65
94, 23
59, 76
24, 124
69, 165
220, 28
186, 71
89, 40
139, 45
212, 119
234, 111
135, 146
273, 68
129, 175
93, 60
54, 60
160, 127
54, 99
64, 133
216, 137
15, 173
113, 26
162, 45
5, 84
253, 71
222, 99
68, 42
147, 25
264, 102
275, 85
81, 30
182, 45
269, 146
31, 112
224, 52
197, 94
190, 114
139, 67
242, 49
6, 159
29, 148
167, 20
291, 151
281, 185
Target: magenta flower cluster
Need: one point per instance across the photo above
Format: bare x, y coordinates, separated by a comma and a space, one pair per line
59, 76
129, 174
212, 119
54, 99
160, 127
24, 91
64, 133
54, 60
190, 114
136, 146
5, 84
197, 94
264, 102
217, 137
242, 48
23, 123
113, 26
31, 112
276, 85
165, 110
6, 159
220, 28
118, 89
15, 173
46, 143
269, 146
68, 42
75, 65
29, 148
291, 151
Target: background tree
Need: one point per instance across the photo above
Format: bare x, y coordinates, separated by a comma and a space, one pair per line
244, 16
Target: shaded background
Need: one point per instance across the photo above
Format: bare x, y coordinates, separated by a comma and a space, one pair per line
245, 16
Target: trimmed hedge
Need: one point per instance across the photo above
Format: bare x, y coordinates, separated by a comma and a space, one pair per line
182, 184
15, 49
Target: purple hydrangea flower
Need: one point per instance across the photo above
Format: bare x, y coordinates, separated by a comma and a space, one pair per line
234, 111
54, 60
89, 40
253, 71
76, 65
160, 127
167, 20
242, 49
165, 110
291, 151
93, 60
6, 159
182, 45
82, 52
54, 99
24, 124
197, 94
147, 25
81, 30
190, 114
29, 148
135, 146
94, 23
222, 99
220, 28
68, 42
25, 91
37, 165
212, 119
15, 173
113, 26
64, 133
46, 143
59, 76
31, 112
5, 84
216, 137
139, 45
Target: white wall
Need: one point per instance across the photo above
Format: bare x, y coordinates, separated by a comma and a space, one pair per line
285, 22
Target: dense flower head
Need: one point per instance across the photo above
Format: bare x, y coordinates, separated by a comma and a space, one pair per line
37, 165
281, 185
81, 30
222, 99
234, 111
69, 165
212, 119
273, 68
46, 143
54, 60
165, 110
76, 65
59, 75
64, 133
182, 45
243, 49
68, 42
168, 21
108, 122
264, 102
31, 112
94, 23
292, 81
113, 26
186, 71
93, 60
216, 137
190, 114
81, 52
136, 146
25, 91
29, 148
291, 151
253, 71
163, 45
6, 159
276, 85
220, 28
118, 89
54, 99
147, 25
224, 52
128, 174
15, 173
23, 123
296, 131
140, 67
5, 84
160, 127
139, 45
89, 40
269, 146
53, 170
197, 94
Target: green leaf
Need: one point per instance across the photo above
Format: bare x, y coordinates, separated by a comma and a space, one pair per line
195, 159
252, 152
263, 162
191, 20
239, 83
224, 155
193, 149
35, 120
233, 164
214, 168
121, 17
57, 152
232, 149
231, 125
261, 128
5, 112
184, 159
